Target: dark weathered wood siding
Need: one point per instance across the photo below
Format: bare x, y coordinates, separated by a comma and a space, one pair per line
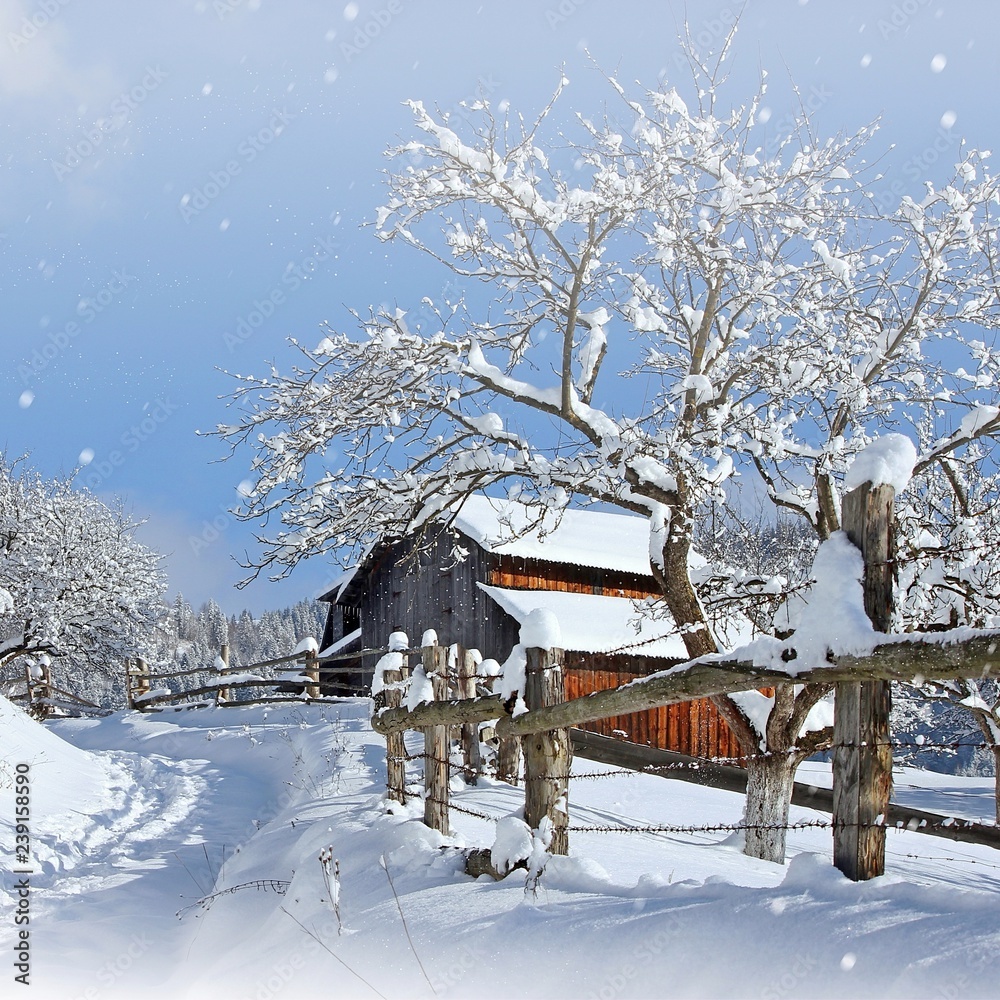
414, 592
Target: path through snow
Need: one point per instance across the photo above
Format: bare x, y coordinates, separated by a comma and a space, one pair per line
134, 818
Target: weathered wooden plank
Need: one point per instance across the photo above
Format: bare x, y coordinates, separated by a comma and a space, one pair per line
467, 663
862, 763
509, 759
142, 681
910, 658
395, 750
435, 660
547, 755
311, 670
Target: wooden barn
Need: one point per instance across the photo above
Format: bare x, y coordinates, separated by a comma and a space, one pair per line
591, 570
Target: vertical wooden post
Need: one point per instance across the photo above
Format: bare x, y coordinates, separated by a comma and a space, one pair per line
435, 662
862, 761
29, 680
222, 693
129, 695
395, 747
547, 755
311, 670
509, 759
141, 682
46, 690
468, 660
39, 680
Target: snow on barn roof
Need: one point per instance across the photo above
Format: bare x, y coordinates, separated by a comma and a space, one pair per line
596, 539
595, 624
586, 538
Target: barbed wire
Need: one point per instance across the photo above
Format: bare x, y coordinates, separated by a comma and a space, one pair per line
451, 804
698, 827
945, 857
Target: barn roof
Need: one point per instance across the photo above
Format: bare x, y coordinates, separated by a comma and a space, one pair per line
590, 538
596, 624
587, 538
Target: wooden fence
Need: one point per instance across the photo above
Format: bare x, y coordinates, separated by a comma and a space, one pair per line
862, 762
43, 699
217, 684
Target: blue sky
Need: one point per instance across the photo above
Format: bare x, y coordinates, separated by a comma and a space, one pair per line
186, 184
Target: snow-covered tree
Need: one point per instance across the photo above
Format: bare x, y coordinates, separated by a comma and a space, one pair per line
80, 586
950, 577
652, 306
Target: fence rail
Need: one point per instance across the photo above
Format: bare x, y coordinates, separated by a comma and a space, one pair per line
309, 683
43, 699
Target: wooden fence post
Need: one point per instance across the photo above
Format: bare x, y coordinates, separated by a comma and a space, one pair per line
39, 681
468, 661
436, 743
128, 682
862, 761
141, 683
509, 759
222, 694
547, 755
46, 690
395, 747
311, 670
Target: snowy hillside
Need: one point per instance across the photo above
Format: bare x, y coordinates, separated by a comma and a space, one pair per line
135, 819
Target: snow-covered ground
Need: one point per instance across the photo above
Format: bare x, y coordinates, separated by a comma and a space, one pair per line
133, 819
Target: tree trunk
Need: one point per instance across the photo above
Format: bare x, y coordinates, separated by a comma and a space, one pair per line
674, 580
770, 778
